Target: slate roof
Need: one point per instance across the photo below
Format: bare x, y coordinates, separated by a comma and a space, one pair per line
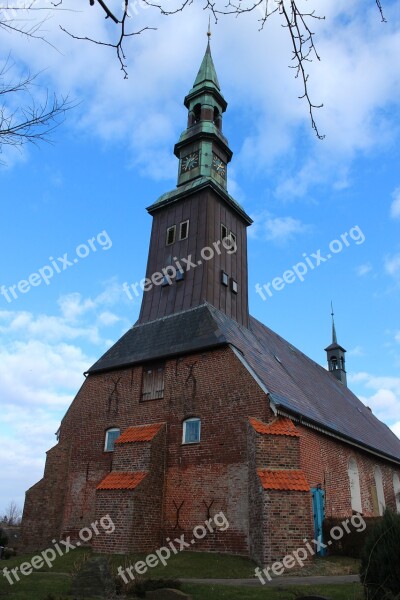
139, 433
183, 332
283, 480
122, 481
297, 385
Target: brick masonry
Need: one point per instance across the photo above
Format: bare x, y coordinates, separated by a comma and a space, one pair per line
326, 461
188, 483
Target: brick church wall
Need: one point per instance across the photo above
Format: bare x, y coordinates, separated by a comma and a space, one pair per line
137, 513
212, 385
325, 460
44, 502
279, 519
288, 515
256, 498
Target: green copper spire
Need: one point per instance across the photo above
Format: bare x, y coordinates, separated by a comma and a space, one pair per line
207, 73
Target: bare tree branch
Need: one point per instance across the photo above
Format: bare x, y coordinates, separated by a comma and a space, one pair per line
294, 19
29, 122
13, 514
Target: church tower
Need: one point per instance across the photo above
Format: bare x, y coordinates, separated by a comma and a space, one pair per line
200, 414
335, 355
198, 245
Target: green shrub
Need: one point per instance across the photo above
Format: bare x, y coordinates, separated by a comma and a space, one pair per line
351, 544
140, 585
380, 560
9, 553
3, 538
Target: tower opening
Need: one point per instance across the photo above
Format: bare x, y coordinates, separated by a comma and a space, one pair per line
217, 118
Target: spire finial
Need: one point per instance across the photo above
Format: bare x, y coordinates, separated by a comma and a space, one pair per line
209, 27
334, 337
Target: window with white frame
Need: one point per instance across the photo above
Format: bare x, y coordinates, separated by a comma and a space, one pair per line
183, 230
111, 435
170, 235
380, 494
355, 490
191, 431
396, 486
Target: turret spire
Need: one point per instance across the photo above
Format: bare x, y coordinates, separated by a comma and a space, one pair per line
207, 73
335, 355
334, 337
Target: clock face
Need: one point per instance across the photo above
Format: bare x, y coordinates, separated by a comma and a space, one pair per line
219, 166
189, 162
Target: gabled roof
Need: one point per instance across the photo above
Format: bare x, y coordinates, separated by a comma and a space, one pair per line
297, 386
139, 433
121, 481
283, 480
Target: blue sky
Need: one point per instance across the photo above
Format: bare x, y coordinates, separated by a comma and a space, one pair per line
113, 156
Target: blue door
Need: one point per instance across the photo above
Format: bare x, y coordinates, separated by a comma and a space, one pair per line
318, 502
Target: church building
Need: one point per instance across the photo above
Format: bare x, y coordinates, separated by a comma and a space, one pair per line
200, 408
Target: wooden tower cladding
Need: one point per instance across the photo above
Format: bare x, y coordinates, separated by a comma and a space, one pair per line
198, 245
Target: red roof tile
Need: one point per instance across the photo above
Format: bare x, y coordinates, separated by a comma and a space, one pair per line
140, 433
283, 480
121, 481
281, 426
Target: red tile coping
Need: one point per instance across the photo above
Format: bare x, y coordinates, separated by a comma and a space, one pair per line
139, 433
281, 426
283, 480
122, 481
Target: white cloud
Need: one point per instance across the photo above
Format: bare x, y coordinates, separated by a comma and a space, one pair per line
356, 351
42, 360
364, 269
396, 428
277, 229
385, 399
395, 206
145, 111
392, 265
108, 318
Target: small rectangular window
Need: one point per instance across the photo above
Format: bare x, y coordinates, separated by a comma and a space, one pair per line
191, 431
224, 232
224, 278
153, 381
233, 240
171, 235
184, 230
234, 286
111, 435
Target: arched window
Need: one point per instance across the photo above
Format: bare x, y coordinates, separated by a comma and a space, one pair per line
111, 435
396, 485
334, 363
197, 113
191, 431
380, 494
355, 491
217, 118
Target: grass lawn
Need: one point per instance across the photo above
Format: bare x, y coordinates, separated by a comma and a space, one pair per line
35, 587
351, 591
57, 580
